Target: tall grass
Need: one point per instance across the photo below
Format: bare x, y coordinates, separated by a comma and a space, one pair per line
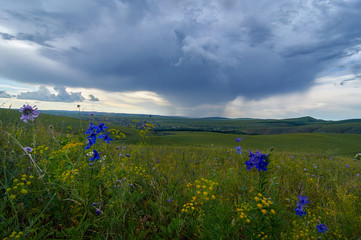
145, 191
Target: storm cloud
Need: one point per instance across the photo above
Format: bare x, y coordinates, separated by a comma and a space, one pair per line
189, 52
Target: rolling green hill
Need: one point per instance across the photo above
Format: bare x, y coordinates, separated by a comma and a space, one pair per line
297, 135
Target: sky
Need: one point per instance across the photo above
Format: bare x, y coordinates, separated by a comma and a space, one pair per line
225, 58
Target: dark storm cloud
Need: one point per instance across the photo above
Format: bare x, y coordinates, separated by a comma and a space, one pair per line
43, 94
191, 52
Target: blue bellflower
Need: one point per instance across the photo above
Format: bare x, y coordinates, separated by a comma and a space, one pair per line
321, 228
239, 149
95, 156
106, 137
101, 128
303, 200
299, 210
257, 160
91, 128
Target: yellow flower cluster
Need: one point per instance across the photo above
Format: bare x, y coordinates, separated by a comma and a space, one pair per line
204, 190
69, 174
134, 172
40, 149
116, 134
20, 186
262, 236
264, 204
14, 235
243, 215
304, 230
190, 207
70, 146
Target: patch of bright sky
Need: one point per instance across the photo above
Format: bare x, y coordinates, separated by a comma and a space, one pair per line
331, 98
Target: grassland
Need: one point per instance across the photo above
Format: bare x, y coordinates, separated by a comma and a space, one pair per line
173, 184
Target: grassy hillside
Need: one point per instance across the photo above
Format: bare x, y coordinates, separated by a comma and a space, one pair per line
225, 125
180, 185
325, 143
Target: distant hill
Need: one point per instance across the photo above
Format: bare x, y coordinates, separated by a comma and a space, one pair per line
245, 126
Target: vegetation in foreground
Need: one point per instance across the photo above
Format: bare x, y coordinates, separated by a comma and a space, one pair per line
57, 185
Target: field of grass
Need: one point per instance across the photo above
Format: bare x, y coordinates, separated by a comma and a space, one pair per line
330, 144
180, 185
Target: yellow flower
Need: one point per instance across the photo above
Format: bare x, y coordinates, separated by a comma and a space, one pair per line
264, 211
205, 193
213, 197
256, 198
24, 191
259, 205
248, 221
273, 211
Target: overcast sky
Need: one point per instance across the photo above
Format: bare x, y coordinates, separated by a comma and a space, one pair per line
264, 59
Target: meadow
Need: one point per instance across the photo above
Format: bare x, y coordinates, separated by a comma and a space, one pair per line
64, 178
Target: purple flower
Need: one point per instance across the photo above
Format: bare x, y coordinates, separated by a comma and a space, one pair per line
239, 139
303, 200
91, 128
347, 165
91, 114
239, 149
106, 137
93, 138
90, 143
101, 128
95, 156
257, 160
170, 200
321, 228
299, 210
28, 113
98, 211
28, 149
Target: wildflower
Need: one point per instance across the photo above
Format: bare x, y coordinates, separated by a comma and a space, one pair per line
91, 128
106, 137
92, 137
170, 200
24, 191
257, 160
96, 156
239, 149
28, 149
321, 227
347, 165
90, 143
91, 114
98, 211
101, 128
239, 139
299, 210
303, 200
28, 113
